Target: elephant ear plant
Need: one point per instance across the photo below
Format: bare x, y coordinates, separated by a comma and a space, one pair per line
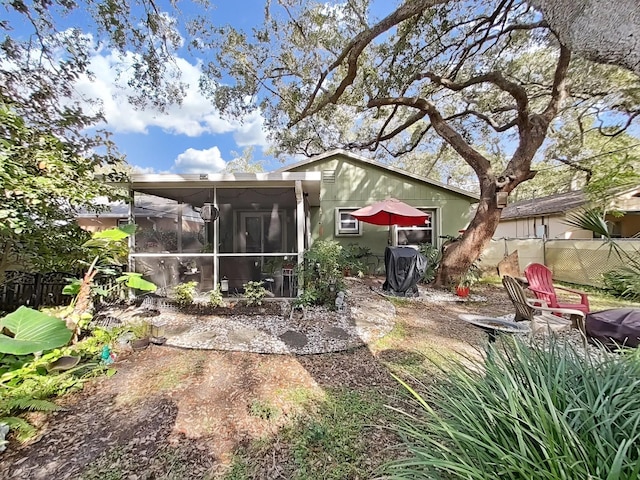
28, 331
111, 252
22, 333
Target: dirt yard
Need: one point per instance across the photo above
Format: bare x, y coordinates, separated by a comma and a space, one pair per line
174, 413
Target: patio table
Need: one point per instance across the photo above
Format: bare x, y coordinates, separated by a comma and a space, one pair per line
493, 326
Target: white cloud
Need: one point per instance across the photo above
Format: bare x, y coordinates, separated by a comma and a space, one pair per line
251, 131
138, 169
199, 161
194, 117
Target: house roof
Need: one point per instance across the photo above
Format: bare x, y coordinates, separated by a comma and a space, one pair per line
359, 158
558, 203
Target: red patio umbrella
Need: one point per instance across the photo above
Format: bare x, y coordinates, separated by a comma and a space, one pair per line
391, 212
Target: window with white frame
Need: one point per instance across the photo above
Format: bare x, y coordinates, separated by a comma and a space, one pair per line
418, 234
346, 224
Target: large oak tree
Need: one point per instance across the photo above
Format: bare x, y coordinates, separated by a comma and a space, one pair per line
462, 73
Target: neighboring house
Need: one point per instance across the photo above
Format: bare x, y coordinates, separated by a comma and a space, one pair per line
261, 223
545, 217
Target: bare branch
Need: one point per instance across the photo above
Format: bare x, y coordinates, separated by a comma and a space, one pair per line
630, 119
475, 159
352, 52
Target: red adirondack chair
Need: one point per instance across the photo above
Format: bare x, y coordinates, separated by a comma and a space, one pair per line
541, 284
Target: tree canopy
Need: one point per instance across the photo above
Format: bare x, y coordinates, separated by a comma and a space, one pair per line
487, 81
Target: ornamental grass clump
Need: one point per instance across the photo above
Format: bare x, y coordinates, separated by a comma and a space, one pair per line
527, 412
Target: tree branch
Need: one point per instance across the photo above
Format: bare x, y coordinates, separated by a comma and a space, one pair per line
475, 159
352, 52
559, 87
489, 121
516, 91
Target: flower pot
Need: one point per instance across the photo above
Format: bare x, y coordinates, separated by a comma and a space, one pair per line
462, 291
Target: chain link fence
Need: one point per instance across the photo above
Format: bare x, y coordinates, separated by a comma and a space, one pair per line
580, 261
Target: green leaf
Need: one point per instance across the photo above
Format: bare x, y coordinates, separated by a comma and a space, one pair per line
129, 228
73, 288
113, 234
592, 220
33, 331
136, 281
97, 243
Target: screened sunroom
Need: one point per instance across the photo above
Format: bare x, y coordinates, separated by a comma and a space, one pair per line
222, 229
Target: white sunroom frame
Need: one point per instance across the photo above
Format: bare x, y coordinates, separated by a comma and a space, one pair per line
306, 186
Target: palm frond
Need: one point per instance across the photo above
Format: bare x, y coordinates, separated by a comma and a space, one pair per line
592, 220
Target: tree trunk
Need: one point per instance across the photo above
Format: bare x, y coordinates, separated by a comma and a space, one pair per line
459, 255
604, 32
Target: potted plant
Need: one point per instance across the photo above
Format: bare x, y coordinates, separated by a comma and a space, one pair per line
462, 289
471, 276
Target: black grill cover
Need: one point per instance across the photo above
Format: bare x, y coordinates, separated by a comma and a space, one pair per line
618, 326
405, 267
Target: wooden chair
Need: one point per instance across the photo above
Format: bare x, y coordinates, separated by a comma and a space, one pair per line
538, 313
540, 282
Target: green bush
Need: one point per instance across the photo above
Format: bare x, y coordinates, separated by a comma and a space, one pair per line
353, 259
623, 282
323, 272
215, 298
254, 292
185, 293
26, 383
527, 412
432, 254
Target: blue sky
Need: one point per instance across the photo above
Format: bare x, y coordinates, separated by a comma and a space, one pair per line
192, 137
189, 138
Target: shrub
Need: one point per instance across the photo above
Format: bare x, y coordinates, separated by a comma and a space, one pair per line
353, 259
527, 412
26, 383
185, 293
323, 272
254, 292
432, 254
623, 282
307, 298
215, 298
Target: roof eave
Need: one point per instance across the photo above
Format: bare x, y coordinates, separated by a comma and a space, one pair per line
360, 158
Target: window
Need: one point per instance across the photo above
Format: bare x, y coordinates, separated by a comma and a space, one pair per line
419, 234
346, 224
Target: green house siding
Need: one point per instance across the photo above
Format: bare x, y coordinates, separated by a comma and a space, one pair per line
356, 184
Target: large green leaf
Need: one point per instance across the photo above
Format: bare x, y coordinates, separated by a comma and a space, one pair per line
135, 280
33, 331
129, 228
113, 234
